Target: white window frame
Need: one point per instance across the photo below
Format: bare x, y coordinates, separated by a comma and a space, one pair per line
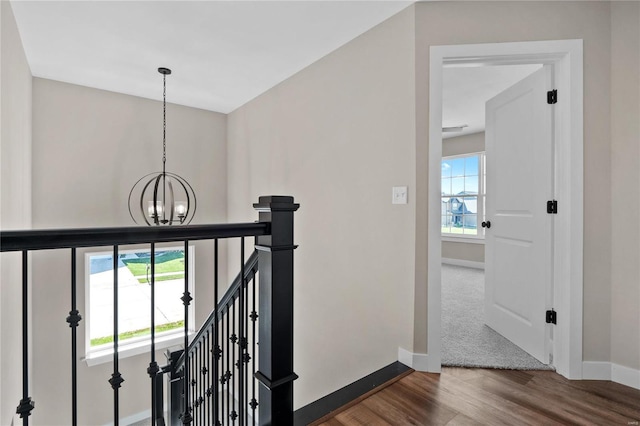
137, 345
481, 197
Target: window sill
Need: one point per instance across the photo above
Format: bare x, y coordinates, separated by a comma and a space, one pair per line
105, 354
469, 240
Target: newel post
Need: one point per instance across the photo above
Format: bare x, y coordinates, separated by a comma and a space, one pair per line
275, 348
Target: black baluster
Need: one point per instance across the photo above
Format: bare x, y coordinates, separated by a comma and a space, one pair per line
73, 319
234, 341
116, 378
246, 355
186, 300
26, 403
227, 374
241, 341
194, 383
190, 385
220, 388
194, 389
205, 378
198, 381
153, 368
208, 377
203, 382
217, 352
203, 372
254, 318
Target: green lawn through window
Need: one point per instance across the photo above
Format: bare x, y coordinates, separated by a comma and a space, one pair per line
137, 333
166, 263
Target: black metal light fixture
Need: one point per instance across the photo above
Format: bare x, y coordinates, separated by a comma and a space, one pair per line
162, 198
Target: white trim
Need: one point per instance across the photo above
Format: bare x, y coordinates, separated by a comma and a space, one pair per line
464, 240
567, 58
595, 370
419, 362
142, 346
462, 262
142, 415
625, 376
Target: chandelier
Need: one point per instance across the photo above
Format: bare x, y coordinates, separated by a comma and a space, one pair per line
162, 198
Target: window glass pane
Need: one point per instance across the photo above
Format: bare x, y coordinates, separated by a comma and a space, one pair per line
134, 269
446, 186
457, 185
470, 224
471, 184
446, 168
457, 166
470, 205
446, 223
446, 205
471, 165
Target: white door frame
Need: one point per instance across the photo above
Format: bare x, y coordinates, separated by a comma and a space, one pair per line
566, 57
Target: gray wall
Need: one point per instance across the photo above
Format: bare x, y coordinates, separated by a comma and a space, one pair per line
338, 136
89, 148
444, 23
625, 183
456, 146
15, 201
298, 124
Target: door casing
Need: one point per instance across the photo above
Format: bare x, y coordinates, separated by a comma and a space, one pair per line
566, 57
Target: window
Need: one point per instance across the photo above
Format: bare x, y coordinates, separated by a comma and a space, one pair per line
134, 297
463, 196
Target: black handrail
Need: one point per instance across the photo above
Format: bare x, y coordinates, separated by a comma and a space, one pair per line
46, 239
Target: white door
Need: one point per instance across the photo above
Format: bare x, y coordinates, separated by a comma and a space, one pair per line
518, 250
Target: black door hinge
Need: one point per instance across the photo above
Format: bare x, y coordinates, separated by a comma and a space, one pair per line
552, 97
552, 207
551, 317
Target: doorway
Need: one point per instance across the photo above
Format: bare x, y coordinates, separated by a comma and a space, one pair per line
470, 338
565, 57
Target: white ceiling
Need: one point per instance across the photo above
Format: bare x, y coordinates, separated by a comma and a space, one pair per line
222, 53
466, 89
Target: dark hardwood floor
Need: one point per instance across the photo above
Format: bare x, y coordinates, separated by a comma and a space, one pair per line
461, 396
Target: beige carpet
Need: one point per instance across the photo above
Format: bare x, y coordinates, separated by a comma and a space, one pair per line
466, 340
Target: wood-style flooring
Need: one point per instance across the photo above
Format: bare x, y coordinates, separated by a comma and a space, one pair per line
461, 396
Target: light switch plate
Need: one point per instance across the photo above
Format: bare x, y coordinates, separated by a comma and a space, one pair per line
399, 195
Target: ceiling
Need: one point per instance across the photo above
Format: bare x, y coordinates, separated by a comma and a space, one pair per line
466, 89
222, 53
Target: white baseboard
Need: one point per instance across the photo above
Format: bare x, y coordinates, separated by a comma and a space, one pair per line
419, 362
625, 375
593, 370
461, 262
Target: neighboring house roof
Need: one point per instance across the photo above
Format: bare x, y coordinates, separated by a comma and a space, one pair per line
460, 206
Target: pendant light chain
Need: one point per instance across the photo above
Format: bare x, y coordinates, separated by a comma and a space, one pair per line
164, 121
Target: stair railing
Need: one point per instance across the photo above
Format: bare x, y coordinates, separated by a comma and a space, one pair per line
203, 381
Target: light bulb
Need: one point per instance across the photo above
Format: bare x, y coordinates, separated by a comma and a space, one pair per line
158, 208
181, 208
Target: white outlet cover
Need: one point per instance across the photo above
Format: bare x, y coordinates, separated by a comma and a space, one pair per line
399, 195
